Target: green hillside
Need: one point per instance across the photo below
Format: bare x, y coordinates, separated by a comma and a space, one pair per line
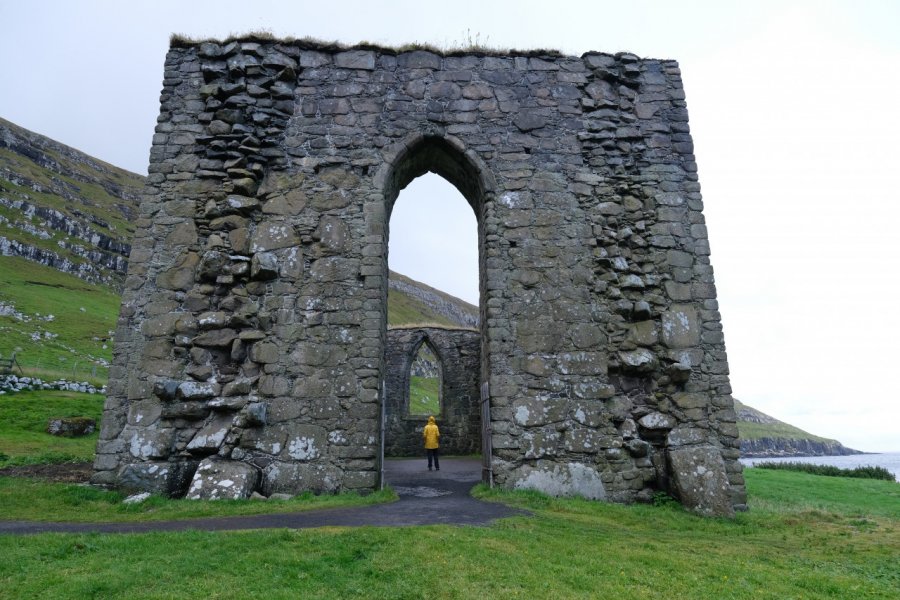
753, 425
404, 309
62, 208
411, 302
98, 202
755, 431
76, 342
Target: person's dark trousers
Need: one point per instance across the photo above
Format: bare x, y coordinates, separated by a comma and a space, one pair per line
433, 456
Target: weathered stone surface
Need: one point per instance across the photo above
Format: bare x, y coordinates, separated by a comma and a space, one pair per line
644, 333
566, 479
212, 264
211, 436
355, 59
681, 327
638, 361
146, 442
181, 275
136, 498
193, 390
166, 478
272, 235
253, 321
264, 265
217, 338
691, 400
223, 480
656, 421
242, 204
151, 476
71, 426
700, 480
292, 478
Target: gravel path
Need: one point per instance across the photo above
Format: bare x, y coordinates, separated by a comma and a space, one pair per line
426, 498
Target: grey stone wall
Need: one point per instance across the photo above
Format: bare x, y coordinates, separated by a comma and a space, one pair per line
253, 322
459, 421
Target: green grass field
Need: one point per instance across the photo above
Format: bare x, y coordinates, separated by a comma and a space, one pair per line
83, 317
806, 536
23, 424
801, 542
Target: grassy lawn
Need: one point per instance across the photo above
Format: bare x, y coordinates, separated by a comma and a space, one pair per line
803, 542
806, 536
23, 425
24, 499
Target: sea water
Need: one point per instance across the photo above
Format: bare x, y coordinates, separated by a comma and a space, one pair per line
887, 460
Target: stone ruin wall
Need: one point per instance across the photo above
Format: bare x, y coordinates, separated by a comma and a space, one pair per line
251, 341
459, 354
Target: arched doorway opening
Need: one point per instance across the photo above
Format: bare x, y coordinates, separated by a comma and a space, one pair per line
432, 332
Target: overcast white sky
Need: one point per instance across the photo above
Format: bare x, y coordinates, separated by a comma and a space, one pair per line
795, 113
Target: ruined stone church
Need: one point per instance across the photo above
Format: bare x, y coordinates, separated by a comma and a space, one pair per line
252, 351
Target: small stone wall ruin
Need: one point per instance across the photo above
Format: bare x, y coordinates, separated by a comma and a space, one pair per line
251, 346
459, 353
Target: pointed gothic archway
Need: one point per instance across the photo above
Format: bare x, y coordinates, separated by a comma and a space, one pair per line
446, 157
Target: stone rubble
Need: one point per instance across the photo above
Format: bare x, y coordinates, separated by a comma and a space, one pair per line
16, 383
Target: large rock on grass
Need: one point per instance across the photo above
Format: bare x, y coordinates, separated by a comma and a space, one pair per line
700, 480
71, 426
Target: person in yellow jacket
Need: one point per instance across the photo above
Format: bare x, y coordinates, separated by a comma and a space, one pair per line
432, 435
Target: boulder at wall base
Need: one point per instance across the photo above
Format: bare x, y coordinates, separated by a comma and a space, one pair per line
700, 480
223, 480
572, 479
158, 477
294, 478
71, 426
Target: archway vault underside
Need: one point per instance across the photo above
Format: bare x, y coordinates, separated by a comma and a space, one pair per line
250, 351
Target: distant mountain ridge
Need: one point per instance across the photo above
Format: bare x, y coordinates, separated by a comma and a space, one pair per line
765, 436
64, 209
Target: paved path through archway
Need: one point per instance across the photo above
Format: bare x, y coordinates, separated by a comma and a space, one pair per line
426, 498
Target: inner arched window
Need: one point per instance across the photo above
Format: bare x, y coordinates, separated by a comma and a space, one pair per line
425, 382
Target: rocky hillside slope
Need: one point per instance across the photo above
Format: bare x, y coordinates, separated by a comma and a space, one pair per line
64, 209
412, 302
766, 436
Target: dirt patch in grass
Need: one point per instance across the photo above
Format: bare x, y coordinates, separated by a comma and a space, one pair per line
78, 472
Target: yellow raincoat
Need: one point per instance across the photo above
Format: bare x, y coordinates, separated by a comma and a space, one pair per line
431, 434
